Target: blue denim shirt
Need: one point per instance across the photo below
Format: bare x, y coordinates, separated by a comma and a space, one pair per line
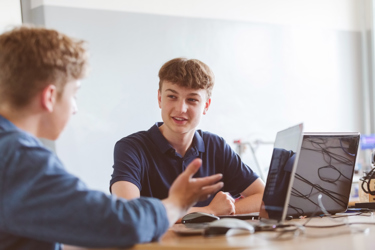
42, 205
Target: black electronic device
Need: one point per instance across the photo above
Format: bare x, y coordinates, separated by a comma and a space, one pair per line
199, 217
326, 166
369, 205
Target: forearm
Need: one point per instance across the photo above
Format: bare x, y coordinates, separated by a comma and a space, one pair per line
243, 206
252, 200
249, 204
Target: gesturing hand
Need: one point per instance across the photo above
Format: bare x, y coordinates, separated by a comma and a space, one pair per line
186, 190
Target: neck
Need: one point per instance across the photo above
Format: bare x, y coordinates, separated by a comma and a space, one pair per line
180, 142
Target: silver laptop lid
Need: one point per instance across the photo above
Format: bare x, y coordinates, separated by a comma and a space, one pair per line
280, 175
326, 166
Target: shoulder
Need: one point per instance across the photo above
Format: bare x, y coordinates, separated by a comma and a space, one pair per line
215, 143
134, 145
18, 140
135, 138
23, 152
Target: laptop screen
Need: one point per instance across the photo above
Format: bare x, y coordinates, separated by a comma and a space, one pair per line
280, 175
326, 166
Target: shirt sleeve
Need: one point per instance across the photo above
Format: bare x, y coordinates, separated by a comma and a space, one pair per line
40, 200
237, 175
128, 163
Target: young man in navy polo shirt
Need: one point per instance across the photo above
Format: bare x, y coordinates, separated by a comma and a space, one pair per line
146, 163
41, 204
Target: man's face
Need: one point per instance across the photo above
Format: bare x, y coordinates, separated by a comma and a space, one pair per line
182, 108
64, 107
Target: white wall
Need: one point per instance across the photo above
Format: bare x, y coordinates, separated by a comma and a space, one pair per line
327, 14
276, 63
10, 14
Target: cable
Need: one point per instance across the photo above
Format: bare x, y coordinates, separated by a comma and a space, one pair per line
326, 172
367, 179
329, 193
295, 229
330, 180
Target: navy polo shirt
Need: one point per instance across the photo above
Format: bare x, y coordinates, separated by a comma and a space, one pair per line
147, 160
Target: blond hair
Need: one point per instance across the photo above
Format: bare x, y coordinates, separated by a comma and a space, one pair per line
32, 58
190, 73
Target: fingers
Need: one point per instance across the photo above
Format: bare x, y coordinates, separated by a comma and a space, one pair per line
204, 181
233, 211
193, 167
231, 203
207, 185
222, 204
229, 197
233, 207
208, 190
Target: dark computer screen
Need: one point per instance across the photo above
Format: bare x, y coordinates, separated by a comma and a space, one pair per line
278, 184
325, 166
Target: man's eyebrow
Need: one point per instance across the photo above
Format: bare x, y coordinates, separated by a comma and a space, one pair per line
190, 94
172, 90
194, 94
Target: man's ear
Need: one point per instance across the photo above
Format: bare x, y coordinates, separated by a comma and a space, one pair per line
207, 105
48, 100
159, 98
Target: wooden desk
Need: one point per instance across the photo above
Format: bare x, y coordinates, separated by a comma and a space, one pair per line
337, 238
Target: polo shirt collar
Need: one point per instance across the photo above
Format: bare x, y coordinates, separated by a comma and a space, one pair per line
198, 142
6, 125
158, 138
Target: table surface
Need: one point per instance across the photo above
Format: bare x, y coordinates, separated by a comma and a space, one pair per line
357, 236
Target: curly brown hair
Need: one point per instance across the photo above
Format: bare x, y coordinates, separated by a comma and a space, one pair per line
189, 73
32, 57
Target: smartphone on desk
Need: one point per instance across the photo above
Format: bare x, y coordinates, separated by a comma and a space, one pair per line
354, 211
358, 210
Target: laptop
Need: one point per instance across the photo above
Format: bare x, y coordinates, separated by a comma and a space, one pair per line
326, 166
273, 210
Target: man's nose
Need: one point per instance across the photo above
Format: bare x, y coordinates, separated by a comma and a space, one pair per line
182, 106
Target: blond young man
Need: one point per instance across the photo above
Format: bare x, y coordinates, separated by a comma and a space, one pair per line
146, 163
42, 204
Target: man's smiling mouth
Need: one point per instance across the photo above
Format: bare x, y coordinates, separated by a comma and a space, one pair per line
179, 119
